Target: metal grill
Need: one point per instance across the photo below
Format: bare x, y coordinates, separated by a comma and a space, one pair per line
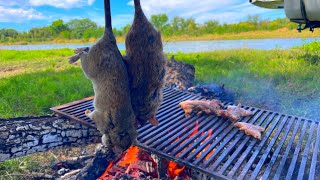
289, 149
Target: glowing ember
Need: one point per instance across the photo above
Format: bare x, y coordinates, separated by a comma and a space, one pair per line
174, 169
196, 129
130, 156
207, 157
106, 172
134, 163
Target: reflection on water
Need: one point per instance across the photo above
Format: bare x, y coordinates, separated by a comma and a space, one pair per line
190, 46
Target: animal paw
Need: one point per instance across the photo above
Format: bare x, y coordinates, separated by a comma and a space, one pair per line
74, 59
154, 121
87, 112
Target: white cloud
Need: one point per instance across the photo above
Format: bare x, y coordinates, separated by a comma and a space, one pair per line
203, 10
9, 3
18, 14
90, 2
61, 3
233, 14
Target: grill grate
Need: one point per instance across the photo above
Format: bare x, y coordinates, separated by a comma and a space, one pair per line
289, 149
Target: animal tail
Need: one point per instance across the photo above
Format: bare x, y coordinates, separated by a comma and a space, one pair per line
107, 11
137, 4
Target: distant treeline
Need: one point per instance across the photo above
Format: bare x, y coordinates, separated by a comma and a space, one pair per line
86, 29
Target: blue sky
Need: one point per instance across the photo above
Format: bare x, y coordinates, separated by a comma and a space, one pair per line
25, 14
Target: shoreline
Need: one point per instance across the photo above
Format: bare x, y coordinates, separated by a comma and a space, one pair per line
280, 33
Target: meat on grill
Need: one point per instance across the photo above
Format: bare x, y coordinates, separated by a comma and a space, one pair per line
201, 106
234, 113
250, 129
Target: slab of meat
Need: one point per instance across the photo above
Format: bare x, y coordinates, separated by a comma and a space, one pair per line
234, 113
250, 129
201, 106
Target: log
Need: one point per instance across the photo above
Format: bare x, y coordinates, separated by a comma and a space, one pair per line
179, 74
27, 135
98, 165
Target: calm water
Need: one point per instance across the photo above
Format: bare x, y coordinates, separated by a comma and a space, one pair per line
191, 46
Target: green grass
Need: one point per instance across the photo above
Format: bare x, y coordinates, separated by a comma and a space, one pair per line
46, 80
283, 80
280, 80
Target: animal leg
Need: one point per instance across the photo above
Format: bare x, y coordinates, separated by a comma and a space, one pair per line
105, 139
89, 114
154, 121
80, 50
75, 58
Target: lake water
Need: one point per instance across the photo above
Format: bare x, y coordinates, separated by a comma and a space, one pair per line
191, 46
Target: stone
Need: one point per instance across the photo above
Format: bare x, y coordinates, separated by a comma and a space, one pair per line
37, 128
76, 134
4, 157
11, 137
22, 128
85, 133
17, 141
58, 124
16, 149
4, 135
49, 138
3, 128
19, 154
45, 132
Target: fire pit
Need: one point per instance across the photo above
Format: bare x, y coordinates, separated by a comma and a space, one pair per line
211, 145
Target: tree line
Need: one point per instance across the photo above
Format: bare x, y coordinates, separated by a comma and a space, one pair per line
86, 28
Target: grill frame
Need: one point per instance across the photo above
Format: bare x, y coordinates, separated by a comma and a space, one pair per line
233, 149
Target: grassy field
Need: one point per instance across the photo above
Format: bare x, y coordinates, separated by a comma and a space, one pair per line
283, 80
280, 33
33, 81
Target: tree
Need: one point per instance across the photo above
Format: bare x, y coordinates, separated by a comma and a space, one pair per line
58, 26
210, 26
78, 27
254, 19
159, 21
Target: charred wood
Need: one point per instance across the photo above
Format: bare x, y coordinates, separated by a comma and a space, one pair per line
179, 74
97, 166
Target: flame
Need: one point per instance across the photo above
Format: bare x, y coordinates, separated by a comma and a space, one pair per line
130, 156
106, 172
207, 157
174, 169
196, 129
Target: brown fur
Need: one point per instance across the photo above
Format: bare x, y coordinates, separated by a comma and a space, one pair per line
104, 66
200, 106
250, 129
146, 67
234, 113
